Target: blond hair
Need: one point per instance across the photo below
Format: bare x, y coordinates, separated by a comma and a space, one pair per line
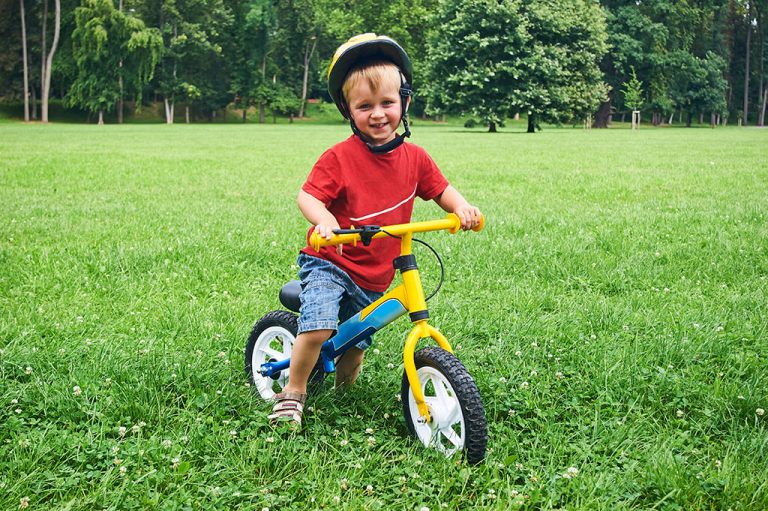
378, 74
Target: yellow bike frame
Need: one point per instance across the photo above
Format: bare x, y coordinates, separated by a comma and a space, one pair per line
410, 293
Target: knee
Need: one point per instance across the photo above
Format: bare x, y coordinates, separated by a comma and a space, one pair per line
315, 336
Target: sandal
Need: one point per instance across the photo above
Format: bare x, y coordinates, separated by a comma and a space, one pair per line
289, 408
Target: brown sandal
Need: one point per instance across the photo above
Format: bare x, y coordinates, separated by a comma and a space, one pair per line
289, 408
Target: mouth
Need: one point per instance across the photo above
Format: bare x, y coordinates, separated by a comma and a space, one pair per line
379, 126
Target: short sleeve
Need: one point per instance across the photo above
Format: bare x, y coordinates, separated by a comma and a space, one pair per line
431, 181
323, 182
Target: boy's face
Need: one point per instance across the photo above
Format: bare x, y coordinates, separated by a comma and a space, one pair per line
376, 114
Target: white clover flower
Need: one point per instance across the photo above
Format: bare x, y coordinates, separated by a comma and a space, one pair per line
117, 461
24, 503
270, 439
222, 354
760, 412
423, 508
167, 443
121, 431
534, 373
502, 380
369, 431
25, 443
559, 375
519, 466
233, 433
108, 382
571, 472
680, 413
524, 385
14, 401
115, 450
390, 366
518, 353
76, 390
17, 410
343, 484
369, 489
135, 428
534, 344
718, 463
123, 470
376, 351
343, 442
175, 462
371, 440
386, 416
28, 370
511, 412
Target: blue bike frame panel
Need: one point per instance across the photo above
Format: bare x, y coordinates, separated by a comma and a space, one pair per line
385, 310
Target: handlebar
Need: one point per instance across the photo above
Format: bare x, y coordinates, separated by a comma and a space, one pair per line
366, 233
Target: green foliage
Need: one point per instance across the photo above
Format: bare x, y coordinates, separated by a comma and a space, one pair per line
493, 59
110, 46
633, 92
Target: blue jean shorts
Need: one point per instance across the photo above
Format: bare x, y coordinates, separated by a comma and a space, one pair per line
329, 296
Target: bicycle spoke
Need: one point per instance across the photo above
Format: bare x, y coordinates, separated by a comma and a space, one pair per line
451, 436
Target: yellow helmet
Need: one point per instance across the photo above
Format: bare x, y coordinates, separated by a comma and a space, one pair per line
364, 47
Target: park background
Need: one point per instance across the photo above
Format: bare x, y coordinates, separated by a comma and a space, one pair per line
613, 311
570, 62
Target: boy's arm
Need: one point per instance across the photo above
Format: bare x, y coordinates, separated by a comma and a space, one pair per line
453, 202
318, 215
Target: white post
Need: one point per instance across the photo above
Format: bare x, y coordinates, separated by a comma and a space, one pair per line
635, 119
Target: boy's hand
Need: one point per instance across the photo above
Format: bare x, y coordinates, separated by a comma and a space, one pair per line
469, 216
326, 231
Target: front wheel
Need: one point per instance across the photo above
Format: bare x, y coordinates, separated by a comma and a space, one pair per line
456, 409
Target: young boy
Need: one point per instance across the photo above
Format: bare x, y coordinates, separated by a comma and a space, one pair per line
372, 177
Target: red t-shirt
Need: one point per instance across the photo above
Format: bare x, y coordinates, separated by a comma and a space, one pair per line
362, 188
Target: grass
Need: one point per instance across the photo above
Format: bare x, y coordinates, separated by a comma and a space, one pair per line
613, 314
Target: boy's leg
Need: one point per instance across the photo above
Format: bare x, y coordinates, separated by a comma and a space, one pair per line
304, 355
348, 367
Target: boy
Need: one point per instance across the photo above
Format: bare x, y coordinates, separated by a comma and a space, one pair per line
372, 177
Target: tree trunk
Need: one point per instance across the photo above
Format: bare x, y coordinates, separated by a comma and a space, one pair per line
701, 117
168, 110
531, 123
746, 66
101, 117
762, 110
120, 102
307, 57
24, 59
186, 113
603, 114
43, 44
491, 127
671, 116
49, 60
689, 120
245, 110
33, 92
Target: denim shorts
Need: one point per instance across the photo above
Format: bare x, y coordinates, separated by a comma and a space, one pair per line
329, 296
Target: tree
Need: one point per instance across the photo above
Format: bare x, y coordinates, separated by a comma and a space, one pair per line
477, 60
46, 81
24, 53
633, 92
493, 59
111, 48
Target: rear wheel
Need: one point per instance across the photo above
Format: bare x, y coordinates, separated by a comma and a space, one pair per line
270, 340
455, 407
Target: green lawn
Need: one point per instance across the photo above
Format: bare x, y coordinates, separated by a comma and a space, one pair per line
614, 314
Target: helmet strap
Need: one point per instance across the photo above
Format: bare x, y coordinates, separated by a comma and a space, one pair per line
405, 93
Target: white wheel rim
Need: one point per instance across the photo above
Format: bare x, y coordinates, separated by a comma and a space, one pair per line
274, 343
445, 432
